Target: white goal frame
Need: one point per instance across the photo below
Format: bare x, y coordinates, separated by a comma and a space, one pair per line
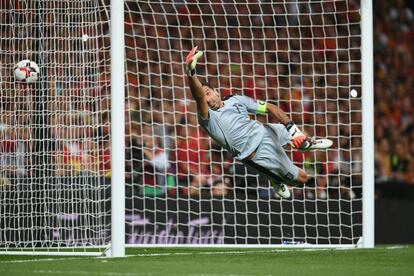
368, 203
117, 129
368, 177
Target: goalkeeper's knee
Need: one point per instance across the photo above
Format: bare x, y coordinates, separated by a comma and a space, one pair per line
302, 177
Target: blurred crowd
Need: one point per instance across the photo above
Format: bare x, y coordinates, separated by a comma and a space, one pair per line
58, 126
295, 55
394, 113
304, 57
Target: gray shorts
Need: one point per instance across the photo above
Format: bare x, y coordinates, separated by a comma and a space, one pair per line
271, 157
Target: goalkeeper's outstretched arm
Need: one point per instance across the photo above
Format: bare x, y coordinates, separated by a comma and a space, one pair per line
195, 85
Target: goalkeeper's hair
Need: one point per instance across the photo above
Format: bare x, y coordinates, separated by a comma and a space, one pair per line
206, 83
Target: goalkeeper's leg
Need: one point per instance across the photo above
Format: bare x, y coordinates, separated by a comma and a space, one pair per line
278, 182
282, 190
271, 161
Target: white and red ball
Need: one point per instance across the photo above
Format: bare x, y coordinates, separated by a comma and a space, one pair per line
26, 71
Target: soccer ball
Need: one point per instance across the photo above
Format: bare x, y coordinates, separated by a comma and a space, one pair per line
26, 71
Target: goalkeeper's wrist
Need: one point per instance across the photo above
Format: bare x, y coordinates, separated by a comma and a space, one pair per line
293, 130
289, 125
191, 72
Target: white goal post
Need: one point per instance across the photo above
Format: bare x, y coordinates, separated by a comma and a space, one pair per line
368, 153
105, 152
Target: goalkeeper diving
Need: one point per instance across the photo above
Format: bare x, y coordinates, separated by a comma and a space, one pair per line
258, 146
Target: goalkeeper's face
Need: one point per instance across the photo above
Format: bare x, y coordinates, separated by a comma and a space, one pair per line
212, 97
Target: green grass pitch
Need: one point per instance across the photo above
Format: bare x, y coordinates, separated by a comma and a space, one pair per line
396, 260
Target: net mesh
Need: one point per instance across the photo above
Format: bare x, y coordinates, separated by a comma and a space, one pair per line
181, 188
54, 133
303, 56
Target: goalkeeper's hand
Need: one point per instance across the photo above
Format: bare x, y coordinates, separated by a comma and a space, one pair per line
191, 61
296, 136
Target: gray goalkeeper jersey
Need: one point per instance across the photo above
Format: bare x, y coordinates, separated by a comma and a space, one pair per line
231, 127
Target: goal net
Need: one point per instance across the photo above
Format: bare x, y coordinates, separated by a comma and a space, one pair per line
305, 57
54, 134
181, 188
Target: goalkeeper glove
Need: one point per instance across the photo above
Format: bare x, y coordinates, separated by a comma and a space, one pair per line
191, 61
296, 136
